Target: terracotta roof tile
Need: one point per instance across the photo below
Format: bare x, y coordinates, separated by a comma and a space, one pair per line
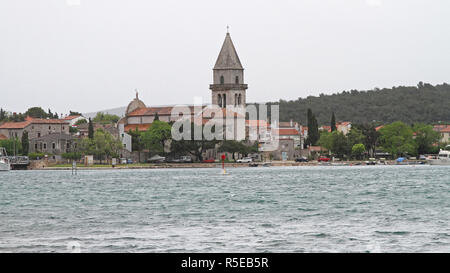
15, 125
140, 127
286, 132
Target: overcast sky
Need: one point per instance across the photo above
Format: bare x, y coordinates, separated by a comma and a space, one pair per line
88, 55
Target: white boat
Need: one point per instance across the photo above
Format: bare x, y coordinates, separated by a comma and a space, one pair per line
4, 161
442, 159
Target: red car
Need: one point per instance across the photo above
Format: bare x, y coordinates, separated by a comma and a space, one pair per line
324, 159
211, 160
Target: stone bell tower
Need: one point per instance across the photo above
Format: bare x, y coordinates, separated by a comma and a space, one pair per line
228, 88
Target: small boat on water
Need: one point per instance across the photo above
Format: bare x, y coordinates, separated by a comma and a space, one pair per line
442, 159
4, 161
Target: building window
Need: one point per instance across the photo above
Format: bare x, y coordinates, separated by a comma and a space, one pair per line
45, 146
68, 145
39, 134
224, 101
239, 99
49, 127
125, 145
53, 145
222, 80
236, 80
219, 100
235, 99
35, 146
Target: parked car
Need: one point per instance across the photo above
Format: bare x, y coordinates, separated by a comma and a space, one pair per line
186, 159
123, 161
129, 161
324, 159
211, 160
301, 159
245, 160
156, 159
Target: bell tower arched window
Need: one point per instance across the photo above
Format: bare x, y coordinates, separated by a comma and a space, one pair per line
236, 80
239, 99
222, 80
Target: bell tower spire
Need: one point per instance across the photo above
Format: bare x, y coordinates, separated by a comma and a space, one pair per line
228, 86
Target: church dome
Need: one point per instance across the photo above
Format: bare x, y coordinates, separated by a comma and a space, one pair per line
136, 103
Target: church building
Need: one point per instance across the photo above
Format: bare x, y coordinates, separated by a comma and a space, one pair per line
228, 92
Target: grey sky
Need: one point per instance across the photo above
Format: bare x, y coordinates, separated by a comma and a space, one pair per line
88, 55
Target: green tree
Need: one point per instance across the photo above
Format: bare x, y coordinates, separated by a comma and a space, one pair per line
72, 113
106, 118
2, 115
355, 136
313, 129
333, 123
81, 121
340, 145
192, 146
358, 150
12, 146
425, 137
137, 144
156, 136
233, 147
90, 129
371, 136
156, 116
326, 140
25, 143
397, 139
36, 112
103, 145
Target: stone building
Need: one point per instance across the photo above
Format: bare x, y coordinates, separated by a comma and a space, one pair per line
35, 127
53, 144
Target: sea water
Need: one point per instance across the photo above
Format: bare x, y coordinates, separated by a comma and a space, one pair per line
274, 209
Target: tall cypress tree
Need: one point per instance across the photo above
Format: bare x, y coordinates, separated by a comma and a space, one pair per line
25, 143
156, 116
313, 129
333, 123
90, 129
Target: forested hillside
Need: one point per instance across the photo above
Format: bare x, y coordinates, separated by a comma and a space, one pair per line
422, 103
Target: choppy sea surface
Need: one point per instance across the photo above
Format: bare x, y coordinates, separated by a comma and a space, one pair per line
275, 209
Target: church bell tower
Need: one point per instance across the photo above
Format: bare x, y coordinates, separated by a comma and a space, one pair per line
228, 88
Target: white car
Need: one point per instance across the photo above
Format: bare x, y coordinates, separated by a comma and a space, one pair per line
244, 160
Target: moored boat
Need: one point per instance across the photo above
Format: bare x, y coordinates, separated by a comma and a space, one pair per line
442, 159
4, 161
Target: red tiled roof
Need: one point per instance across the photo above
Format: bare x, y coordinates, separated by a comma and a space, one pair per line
286, 132
379, 127
256, 123
28, 121
151, 111
441, 128
49, 121
140, 127
3, 137
316, 148
71, 117
326, 128
343, 123
15, 125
